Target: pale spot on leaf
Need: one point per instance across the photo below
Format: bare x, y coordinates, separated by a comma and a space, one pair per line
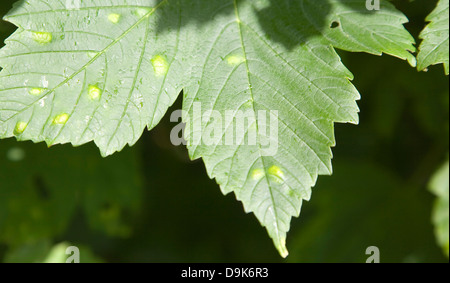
20, 128
61, 119
142, 12
114, 18
94, 92
42, 37
160, 65
276, 172
234, 60
36, 91
257, 174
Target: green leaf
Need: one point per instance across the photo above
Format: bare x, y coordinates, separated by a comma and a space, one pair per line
439, 185
108, 69
435, 45
77, 75
305, 82
353, 28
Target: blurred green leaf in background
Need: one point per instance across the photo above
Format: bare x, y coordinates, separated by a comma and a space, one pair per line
439, 185
150, 203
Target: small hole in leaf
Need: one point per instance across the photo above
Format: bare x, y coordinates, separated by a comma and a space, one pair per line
334, 24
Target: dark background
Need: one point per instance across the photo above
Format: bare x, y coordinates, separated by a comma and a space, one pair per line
151, 204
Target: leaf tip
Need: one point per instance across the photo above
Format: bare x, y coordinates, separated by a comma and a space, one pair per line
281, 247
412, 61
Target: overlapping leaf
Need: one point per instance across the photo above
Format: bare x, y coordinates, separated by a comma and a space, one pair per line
104, 70
435, 46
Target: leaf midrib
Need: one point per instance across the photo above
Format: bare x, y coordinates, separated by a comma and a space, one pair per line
274, 208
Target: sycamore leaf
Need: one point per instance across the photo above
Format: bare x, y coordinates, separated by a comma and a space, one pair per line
276, 58
435, 45
262, 83
94, 72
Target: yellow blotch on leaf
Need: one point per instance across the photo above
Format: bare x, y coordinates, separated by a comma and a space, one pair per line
142, 12
114, 18
20, 128
92, 54
276, 172
36, 91
235, 60
257, 174
42, 37
61, 119
160, 65
94, 92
